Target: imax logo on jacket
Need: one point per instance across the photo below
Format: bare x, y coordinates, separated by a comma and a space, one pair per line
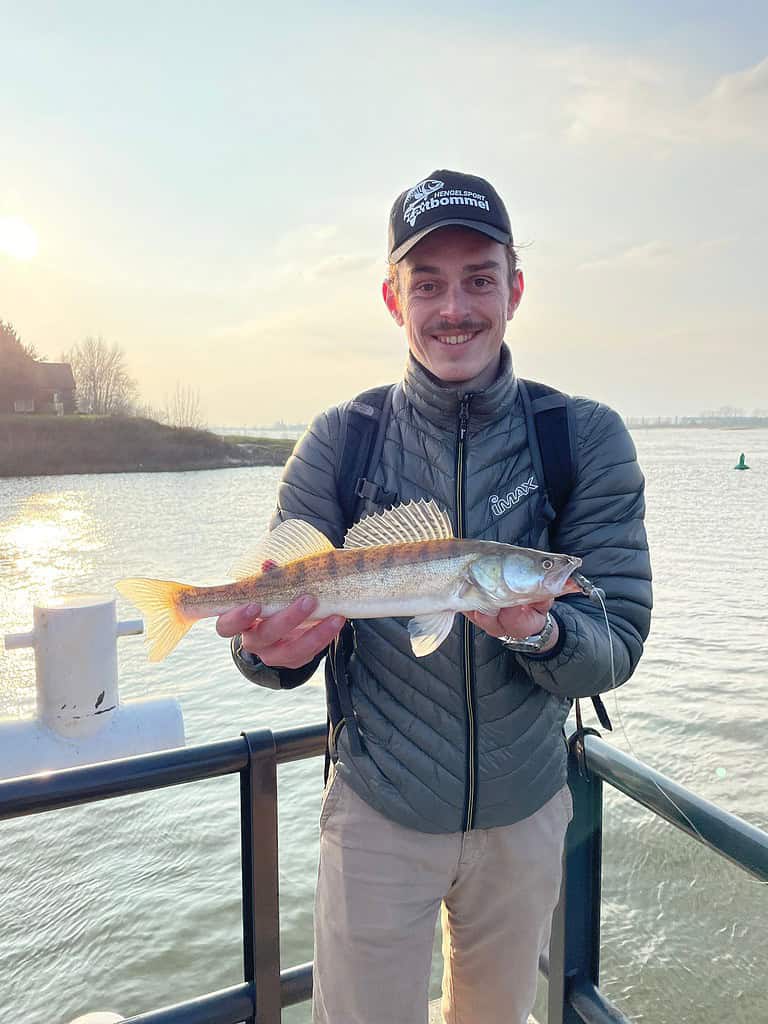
500, 506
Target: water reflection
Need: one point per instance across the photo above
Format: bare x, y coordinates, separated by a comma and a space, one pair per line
44, 540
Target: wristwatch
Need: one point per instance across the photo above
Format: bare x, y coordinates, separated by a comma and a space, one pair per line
531, 644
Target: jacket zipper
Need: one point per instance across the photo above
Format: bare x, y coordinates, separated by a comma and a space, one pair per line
467, 637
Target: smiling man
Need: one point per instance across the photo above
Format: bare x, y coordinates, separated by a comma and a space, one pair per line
448, 786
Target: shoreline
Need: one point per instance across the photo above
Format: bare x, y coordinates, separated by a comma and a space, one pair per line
79, 445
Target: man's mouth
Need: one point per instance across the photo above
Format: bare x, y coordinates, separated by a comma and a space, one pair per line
454, 339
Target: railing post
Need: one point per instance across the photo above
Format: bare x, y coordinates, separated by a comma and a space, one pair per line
574, 957
261, 921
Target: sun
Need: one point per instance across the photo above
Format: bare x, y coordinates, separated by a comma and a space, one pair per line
17, 238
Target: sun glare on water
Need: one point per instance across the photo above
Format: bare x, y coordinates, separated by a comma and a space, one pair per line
17, 238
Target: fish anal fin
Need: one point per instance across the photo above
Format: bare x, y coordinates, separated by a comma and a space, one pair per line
429, 631
288, 542
403, 524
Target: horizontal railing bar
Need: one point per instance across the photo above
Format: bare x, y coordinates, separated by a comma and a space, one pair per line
297, 744
296, 984
231, 1005
592, 1006
722, 832
227, 1006
68, 787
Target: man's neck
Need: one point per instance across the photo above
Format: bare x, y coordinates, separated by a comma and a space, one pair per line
483, 379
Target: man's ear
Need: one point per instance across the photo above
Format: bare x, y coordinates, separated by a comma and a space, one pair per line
515, 293
392, 303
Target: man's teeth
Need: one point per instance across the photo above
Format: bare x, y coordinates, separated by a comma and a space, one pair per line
454, 339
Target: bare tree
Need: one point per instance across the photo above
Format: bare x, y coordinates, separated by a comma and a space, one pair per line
104, 387
183, 409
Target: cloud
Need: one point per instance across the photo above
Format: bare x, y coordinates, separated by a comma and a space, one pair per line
340, 264
743, 85
657, 255
623, 101
647, 256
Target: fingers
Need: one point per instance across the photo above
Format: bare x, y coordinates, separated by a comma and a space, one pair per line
301, 645
489, 623
517, 622
238, 620
269, 631
287, 639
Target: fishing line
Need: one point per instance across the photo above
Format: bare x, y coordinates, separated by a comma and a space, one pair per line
598, 596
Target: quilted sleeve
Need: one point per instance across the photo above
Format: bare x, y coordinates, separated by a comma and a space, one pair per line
307, 491
602, 523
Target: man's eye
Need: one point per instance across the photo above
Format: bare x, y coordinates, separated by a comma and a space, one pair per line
481, 282
426, 286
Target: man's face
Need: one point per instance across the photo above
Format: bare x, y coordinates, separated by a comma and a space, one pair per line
454, 301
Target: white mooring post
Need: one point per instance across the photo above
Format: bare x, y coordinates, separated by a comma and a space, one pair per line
80, 718
104, 1017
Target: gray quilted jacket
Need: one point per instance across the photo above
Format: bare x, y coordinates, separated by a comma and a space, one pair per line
471, 736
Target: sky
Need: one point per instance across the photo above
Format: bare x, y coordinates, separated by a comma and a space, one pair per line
208, 186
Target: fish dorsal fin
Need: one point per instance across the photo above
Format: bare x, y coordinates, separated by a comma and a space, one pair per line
288, 542
413, 521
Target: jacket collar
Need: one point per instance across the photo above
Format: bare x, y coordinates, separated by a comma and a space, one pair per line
438, 401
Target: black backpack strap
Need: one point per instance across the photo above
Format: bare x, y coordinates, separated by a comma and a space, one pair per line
361, 439
550, 439
364, 423
548, 420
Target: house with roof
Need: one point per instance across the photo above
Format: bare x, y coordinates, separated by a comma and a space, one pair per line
39, 388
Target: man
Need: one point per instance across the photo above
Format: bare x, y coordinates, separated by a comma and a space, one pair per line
448, 787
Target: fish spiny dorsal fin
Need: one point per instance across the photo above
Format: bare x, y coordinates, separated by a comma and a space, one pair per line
414, 521
288, 542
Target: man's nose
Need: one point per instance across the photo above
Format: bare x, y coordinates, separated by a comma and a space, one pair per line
455, 303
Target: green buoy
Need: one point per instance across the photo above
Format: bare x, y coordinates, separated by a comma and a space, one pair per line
742, 464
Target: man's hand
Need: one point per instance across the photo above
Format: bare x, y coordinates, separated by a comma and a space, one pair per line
286, 639
519, 622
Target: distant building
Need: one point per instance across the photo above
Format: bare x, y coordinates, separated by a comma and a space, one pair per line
55, 388
44, 388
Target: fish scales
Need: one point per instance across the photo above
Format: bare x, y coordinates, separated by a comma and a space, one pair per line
402, 562
386, 577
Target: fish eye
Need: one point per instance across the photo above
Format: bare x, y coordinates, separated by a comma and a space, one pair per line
547, 564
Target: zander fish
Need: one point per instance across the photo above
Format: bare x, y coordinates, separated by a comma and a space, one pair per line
402, 562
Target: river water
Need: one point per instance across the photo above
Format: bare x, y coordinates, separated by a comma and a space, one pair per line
134, 903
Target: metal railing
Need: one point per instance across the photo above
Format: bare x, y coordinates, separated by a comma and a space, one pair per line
573, 966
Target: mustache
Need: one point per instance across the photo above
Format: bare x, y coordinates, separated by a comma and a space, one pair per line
465, 327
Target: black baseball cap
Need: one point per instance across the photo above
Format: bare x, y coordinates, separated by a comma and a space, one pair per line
446, 197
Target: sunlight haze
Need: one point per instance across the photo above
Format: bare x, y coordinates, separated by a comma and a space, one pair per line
208, 187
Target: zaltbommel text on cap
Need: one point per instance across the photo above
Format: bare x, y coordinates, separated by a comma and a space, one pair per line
446, 197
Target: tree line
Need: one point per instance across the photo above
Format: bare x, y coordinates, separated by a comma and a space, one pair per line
103, 385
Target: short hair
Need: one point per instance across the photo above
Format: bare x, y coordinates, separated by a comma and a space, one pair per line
512, 266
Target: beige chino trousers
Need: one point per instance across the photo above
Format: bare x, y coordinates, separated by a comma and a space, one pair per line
380, 887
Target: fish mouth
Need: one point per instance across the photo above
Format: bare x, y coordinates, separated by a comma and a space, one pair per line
563, 581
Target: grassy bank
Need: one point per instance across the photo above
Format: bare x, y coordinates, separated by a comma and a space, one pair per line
43, 445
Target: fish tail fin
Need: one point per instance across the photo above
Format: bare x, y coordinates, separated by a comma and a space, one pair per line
158, 602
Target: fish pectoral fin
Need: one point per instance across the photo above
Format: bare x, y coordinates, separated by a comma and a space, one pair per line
288, 542
476, 599
429, 631
403, 524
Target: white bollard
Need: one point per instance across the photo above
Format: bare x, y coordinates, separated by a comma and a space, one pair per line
75, 662
80, 718
103, 1017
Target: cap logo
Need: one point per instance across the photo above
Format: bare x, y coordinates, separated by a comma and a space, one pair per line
427, 196
417, 195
